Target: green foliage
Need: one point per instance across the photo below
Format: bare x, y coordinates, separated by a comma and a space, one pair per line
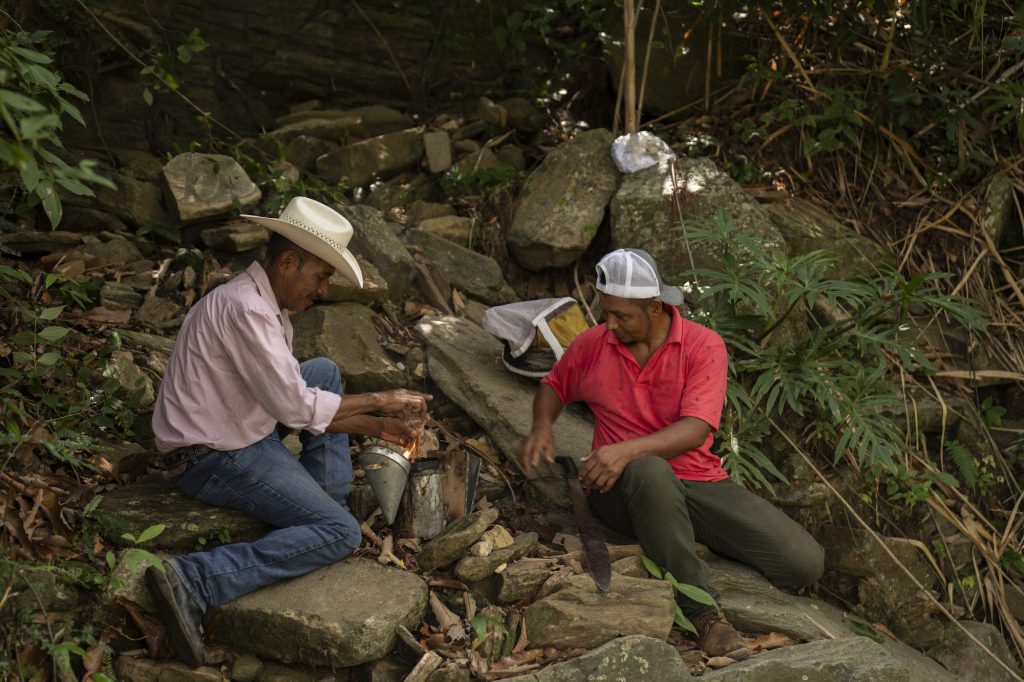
280, 183
689, 591
939, 83
34, 101
52, 392
485, 627
161, 72
457, 183
834, 374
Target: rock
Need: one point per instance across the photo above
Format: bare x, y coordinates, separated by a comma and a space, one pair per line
208, 186
340, 615
374, 239
236, 237
492, 113
643, 214
450, 673
455, 539
563, 202
633, 659
855, 658
807, 228
368, 121
375, 158
632, 566
160, 313
131, 377
86, 219
464, 360
134, 508
276, 672
482, 160
138, 203
341, 289
36, 588
139, 164
344, 332
386, 670
458, 229
968, 661
138, 669
419, 211
755, 606
400, 190
580, 615
470, 272
471, 130
523, 115
857, 553
119, 296
246, 668
471, 569
438, 148
304, 150
32, 242
513, 156
334, 130
520, 580
112, 252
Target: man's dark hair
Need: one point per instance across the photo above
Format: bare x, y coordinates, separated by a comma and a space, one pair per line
278, 244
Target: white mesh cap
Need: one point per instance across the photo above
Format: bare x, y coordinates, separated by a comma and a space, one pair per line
632, 273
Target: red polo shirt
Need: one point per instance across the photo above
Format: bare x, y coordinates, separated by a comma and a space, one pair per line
686, 377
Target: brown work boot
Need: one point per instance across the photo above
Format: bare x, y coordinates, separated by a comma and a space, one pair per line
716, 636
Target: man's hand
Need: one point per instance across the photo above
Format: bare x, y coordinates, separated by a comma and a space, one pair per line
399, 431
540, 443
602, 467
403, 403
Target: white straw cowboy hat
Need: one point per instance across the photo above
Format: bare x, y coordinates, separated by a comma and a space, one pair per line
319, 229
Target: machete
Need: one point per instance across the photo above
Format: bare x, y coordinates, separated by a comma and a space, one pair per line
595, 551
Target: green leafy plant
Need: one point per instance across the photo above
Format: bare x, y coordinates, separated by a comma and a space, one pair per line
162, 70
50, 390
34, 102
135, 555
805, 345
689, 591
457, 182
484, 628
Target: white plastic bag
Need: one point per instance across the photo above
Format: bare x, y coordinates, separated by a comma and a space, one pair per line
637, 151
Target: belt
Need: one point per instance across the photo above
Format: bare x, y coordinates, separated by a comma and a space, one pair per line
176, 461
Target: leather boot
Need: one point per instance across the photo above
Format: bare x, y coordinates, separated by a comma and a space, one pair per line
179, 613
716, 636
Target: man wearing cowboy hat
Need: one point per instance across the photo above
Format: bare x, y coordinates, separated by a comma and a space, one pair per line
232, 390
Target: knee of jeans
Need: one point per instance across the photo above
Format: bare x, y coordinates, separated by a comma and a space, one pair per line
647, 476
326, 374
346, 528
806, 563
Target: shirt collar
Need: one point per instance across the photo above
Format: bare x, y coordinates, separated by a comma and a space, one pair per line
262, 281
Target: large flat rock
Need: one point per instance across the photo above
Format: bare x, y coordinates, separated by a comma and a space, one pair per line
563, 202
340, 615
206, 186
374, 239
344, 332
465, 361
190, 523
857, 659
471, 272
636, 658
579, 614
754, 606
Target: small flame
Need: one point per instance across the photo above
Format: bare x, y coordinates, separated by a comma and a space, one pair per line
408, 452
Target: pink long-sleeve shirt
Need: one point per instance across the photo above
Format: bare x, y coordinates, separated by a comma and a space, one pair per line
232, 376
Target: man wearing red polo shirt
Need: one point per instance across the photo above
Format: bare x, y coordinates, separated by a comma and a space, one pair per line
655, 382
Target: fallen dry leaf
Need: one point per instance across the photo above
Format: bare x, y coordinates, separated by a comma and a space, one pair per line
720, 662
773, 640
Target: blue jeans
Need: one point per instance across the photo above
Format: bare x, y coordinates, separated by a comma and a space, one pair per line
306, 499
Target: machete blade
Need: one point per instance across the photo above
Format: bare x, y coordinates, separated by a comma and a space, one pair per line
595, 551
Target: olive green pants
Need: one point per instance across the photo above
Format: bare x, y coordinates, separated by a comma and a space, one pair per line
668, 517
